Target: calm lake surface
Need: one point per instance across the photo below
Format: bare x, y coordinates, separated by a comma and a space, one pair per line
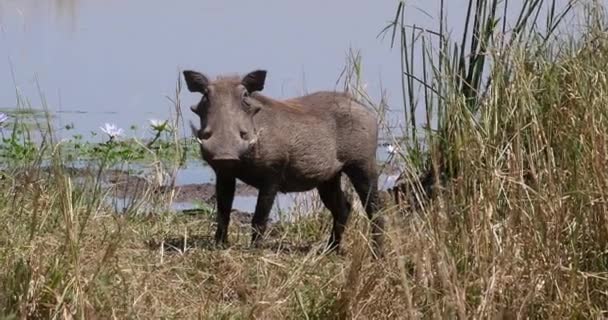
116, 61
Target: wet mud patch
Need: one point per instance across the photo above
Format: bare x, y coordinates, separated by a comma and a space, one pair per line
128, 185
123, 184
236, 216
206, 192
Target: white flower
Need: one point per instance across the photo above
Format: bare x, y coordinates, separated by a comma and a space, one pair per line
392, 148
159, 125
3, 118
111, 130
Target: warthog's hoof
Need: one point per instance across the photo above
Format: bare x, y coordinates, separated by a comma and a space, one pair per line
221, 245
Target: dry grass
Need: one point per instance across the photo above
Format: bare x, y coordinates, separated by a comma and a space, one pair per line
166, 266
519, 229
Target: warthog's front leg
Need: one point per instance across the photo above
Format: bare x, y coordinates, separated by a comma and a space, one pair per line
262, 210
224, 191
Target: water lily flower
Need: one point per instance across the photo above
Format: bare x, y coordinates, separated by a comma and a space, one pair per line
159, 125
111, 130
392, 148
3, 118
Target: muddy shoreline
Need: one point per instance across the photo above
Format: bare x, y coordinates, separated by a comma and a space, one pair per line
126, 185
123, 184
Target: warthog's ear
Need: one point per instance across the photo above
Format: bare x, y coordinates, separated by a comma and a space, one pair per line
196, 81
254, 81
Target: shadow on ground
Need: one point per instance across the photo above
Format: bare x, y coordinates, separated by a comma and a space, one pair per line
181, 244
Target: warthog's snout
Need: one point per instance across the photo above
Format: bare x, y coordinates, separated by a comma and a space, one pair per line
225, 149
224, 145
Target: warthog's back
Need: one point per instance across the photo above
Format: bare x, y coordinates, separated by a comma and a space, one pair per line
312, 138
356, 126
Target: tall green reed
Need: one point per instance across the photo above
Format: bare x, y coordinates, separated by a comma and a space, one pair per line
453, 70
514, 138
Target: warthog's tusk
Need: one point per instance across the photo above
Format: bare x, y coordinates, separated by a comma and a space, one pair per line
254, 140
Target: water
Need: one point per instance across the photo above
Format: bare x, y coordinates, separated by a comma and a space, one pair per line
196, 173
92, 62
116, 61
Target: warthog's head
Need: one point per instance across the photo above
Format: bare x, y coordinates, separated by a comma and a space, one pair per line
227, 131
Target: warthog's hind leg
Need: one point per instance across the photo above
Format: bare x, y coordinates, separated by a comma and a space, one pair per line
365, 182
333, 198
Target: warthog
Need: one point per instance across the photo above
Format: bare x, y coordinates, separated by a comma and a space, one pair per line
286, 146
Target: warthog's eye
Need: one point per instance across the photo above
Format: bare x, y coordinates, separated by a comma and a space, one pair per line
245, 98
243, 134
204, 135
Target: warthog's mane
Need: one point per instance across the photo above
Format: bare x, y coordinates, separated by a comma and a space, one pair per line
288, 105
235, 79
231, 77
